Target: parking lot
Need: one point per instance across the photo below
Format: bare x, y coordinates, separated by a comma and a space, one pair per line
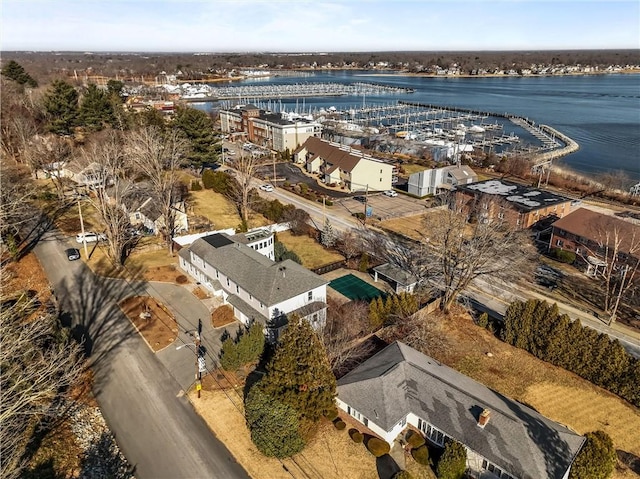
383, 207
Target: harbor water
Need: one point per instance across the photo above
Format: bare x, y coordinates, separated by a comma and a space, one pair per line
600, 112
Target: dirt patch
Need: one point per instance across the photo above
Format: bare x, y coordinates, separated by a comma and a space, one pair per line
152, 319
222, 316
27, 275
166, 274
331, 454
200, 293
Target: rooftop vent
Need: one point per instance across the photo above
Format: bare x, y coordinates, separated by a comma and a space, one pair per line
484, 418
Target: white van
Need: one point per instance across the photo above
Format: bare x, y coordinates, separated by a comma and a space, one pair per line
90, 237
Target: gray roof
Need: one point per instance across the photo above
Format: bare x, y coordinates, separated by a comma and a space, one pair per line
399, 380
263, 278
398, 275
523, 198
462, 172
248, 310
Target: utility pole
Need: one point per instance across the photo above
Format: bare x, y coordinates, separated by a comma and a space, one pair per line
84, 240
366, 202
273, 156
200, 363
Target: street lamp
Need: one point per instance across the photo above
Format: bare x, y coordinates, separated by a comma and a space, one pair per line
201, 365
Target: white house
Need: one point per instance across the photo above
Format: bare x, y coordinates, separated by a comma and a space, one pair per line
345, 166
258, 288
400, 386
432, 182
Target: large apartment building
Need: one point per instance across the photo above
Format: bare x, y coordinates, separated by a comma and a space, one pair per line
345, 166
275, 131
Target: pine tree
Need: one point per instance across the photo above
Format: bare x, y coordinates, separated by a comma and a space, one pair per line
16, 72
328, 235
230, 355
299, 374
274, 426
374, 315
96, 109
197, 128
61, 105
597, 458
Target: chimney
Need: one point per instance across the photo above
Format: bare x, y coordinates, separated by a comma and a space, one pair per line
484, 418
282, 269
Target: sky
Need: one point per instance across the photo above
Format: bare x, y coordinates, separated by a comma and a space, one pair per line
317, 25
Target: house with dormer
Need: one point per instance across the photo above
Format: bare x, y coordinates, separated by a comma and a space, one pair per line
400, 387
242, 272
342, 165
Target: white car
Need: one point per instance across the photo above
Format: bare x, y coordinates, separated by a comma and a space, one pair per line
390, 193
90, 237
267, 188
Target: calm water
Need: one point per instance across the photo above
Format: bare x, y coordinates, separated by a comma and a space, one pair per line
600, 112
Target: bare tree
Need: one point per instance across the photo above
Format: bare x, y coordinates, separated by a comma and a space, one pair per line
16, 206
618, 245
39, 364
344, 335
245, 166
457, 248
105, 154
19, 119
49, 153
156, 156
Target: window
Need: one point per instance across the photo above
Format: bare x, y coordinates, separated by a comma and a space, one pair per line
237, 289
261, 306
250, 298
559, 242
380, 180
217, 274
310, 296
380, 172
228, 284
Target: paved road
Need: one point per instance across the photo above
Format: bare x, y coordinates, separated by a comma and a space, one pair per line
155, 426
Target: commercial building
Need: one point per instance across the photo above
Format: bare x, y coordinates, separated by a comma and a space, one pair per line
276, 131
519, 205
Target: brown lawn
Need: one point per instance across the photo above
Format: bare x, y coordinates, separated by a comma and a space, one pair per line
330, 455
409, 226
152, 320
220, 211
312, 254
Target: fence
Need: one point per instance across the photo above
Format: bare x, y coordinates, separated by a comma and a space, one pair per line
330, 267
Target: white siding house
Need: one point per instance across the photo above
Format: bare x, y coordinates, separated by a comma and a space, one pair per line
432, 182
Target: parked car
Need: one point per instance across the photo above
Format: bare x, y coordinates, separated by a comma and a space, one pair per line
267, 188
361, 199
390, 193
90, 237
72, 254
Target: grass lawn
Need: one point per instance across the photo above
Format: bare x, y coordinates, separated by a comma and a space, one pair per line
330, 455
220, 211
312, 254
411, 168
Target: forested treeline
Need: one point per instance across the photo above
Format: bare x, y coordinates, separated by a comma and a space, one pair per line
46, 65
540, 329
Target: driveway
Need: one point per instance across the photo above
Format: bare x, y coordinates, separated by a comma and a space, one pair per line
289, 172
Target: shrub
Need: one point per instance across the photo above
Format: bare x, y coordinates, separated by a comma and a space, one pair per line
196, 185
415, 439
328, 203
222, 315
378, 447
332, 415
364, 263
483, 320
597, 458
218, 181
339, 424
358, 215
421, 455
564, 256
453, 461
402, 475
182, 279
355, 435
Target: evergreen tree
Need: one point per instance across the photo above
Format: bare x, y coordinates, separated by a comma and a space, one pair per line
328, 235
96, 109
274, 426
374, 315
251, 344
453, 461
197, 128
61, 105
596, 459
114, 89
14, 71
299, 374
230, 355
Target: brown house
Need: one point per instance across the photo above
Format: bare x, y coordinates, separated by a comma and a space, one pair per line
520, 206
595, 237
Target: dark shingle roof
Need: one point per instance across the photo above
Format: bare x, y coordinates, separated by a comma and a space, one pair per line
339, 156
399, 380
398, 275
263, 278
